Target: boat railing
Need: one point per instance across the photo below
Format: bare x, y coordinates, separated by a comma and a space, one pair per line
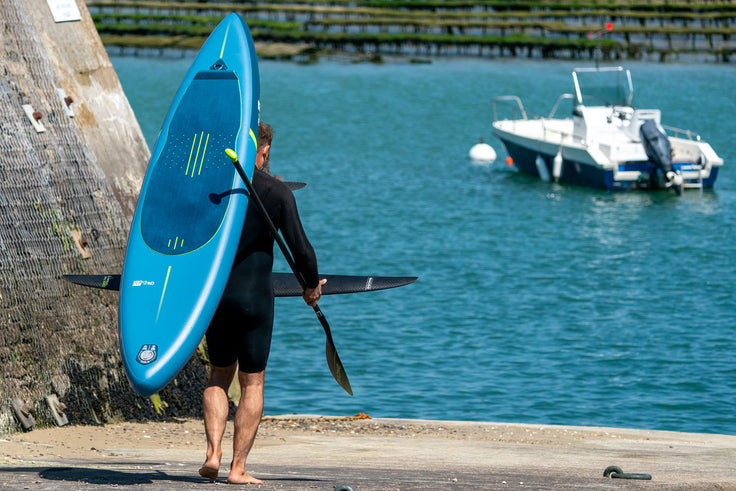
557, 104
677, 132
517, 108
512, 101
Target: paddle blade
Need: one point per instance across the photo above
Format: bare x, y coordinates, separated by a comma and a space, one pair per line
333, 360
336, 368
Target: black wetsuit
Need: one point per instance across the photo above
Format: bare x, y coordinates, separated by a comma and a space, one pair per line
241, 328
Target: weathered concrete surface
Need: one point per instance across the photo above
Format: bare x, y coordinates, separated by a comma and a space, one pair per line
67, 195
300, 452
80, 63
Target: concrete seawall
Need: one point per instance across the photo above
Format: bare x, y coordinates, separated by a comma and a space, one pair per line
74, 60
72, 159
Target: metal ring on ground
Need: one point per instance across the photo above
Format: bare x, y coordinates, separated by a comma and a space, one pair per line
615, 472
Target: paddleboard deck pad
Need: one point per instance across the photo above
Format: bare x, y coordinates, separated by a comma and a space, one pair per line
182, 243
284, 284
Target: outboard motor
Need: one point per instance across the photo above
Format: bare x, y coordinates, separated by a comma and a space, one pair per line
658, 149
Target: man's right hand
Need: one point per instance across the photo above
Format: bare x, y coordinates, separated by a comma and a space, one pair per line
312, 295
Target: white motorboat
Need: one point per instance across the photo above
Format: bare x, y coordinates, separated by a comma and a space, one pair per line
606, 143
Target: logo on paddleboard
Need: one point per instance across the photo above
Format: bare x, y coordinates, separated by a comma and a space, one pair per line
143, 283
147, 354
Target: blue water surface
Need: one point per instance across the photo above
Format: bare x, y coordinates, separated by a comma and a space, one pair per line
536, 302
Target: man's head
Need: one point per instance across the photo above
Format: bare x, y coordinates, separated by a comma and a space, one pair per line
263, 153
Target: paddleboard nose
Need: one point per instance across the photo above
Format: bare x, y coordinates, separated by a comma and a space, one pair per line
146, 383
145, 390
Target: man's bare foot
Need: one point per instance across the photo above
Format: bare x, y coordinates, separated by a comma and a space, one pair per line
242, 478
208, 471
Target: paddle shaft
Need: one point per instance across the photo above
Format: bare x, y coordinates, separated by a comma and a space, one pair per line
333, 360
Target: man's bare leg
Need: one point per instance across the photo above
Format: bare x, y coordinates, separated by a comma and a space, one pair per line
215, 407
247, 419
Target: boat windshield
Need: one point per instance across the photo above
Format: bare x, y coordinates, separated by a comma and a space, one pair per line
606, 86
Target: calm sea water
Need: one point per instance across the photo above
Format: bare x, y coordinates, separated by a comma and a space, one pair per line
536, 303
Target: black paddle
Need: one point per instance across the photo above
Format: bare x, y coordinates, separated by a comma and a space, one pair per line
333, 360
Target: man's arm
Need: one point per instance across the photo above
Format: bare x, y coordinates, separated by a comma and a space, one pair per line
301, 249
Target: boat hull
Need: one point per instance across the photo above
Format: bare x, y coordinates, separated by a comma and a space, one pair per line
581, 174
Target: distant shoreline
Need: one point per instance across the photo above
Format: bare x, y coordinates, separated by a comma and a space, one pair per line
424, 29
306, 54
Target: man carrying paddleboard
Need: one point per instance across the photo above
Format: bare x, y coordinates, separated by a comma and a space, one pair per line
239, 337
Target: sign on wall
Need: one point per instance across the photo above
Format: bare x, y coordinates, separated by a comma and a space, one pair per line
64, 10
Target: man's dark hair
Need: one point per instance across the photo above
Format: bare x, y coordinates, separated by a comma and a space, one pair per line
265, 134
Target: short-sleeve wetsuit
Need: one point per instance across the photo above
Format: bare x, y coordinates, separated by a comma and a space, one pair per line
242, 325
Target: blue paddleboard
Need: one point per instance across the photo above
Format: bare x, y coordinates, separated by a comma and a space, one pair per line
182, 243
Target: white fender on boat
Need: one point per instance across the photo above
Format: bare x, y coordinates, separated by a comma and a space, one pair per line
557, 166
542, 168
482, 153
674, 178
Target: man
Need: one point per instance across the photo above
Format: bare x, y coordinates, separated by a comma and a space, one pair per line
239, 337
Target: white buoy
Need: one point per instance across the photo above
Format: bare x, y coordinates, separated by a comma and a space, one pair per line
542, 168
482, 153
557, 166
